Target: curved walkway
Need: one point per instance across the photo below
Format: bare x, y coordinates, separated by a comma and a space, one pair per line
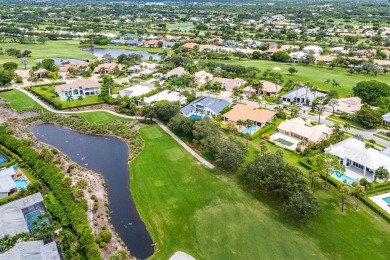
166, 129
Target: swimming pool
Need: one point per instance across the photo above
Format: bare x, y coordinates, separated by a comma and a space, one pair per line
3, 158
195, 116
32, 219
387, 200
21, 184
249, 130
343, 178
282, 141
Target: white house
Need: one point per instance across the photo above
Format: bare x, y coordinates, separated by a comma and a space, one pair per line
81, 87
176, 72
136, 90
297, 56
32, 250
352, 153
7, 183
316, 50
171, 96
205, 106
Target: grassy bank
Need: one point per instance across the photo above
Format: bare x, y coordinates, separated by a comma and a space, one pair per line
20, 101
187, 207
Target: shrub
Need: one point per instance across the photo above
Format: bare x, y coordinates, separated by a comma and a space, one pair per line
102, 244
266, 136
98, 239
298, 149
106, 236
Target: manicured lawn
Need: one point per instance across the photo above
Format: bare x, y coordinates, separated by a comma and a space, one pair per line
51, 49
20, 101
316, 75
210, 216
102, 117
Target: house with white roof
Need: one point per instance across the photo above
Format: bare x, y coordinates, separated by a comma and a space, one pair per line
32, 250
362, 161
316, 50
171, 96
297, 56
7, 182
386, 119
15, 217
302, 95
136, 90
297, 128
205, 106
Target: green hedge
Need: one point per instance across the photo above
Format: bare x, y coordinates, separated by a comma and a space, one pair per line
372, 205
51, 175
262, 131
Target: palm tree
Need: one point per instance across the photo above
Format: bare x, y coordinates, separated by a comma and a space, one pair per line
259, 101
347, 126
314, 175
263, 148
80, 98
320, 110
24, 61
314, 91
240, 123
360, 192
69, 98
302, 143
381, 173
240, 98
344, 191
333, 102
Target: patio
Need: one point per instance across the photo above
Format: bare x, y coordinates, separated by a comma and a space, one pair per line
378, 199
356, 173
278, 137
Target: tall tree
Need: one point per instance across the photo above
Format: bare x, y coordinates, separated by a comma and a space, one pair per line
327, 164
344, 191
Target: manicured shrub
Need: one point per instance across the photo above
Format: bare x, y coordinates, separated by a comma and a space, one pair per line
106, 236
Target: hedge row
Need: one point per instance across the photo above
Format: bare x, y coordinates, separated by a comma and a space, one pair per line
262, 131
372, 205
52, 176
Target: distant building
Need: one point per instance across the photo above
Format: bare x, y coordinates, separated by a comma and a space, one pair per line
136, 90
229, 84
259, 117
316, 50
176, 72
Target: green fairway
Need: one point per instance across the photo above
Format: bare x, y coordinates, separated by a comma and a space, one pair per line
102, 117
51, 49
315, 75
187, 207
20, 101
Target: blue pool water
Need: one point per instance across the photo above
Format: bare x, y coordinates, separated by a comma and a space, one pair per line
387, 200
194, 116
343, 178
31, 217
3, 158
21, 184
249, 130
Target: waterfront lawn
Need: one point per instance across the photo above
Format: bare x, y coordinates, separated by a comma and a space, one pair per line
210, 216
100, 117
314, 74
20, 101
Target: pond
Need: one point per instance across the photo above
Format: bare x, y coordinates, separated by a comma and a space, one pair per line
107, 156
100, 52
60, 61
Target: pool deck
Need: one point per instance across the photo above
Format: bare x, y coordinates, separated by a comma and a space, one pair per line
378, 199
355, 173
290, 139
